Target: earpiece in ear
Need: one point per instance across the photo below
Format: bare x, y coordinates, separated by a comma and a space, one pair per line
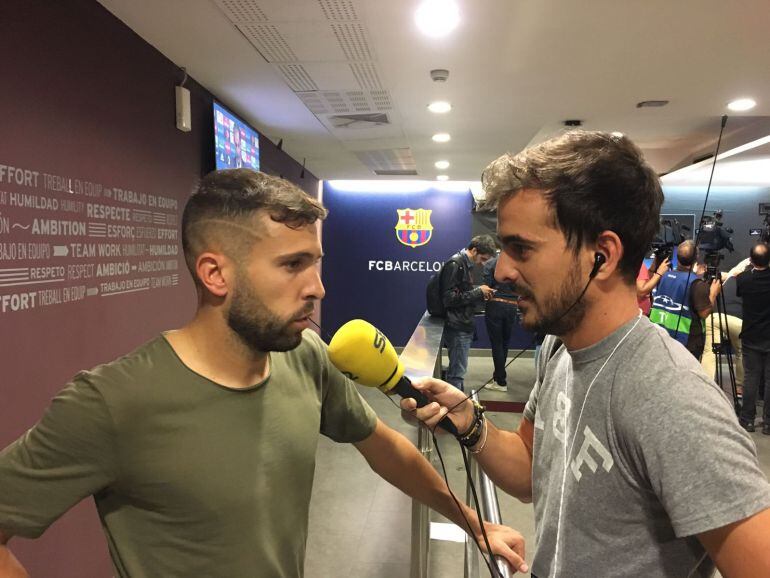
599, 260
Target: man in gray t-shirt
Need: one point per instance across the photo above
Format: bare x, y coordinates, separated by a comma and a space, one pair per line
633, 457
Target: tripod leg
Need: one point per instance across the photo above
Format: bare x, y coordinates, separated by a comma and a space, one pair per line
725, 342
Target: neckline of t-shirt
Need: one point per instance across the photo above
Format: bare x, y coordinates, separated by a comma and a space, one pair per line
211, 381
602, 348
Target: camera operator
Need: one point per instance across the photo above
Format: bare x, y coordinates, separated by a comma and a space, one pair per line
682, 300
754, 287
645, 282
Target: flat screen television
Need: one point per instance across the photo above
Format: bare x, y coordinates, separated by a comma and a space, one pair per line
236, 144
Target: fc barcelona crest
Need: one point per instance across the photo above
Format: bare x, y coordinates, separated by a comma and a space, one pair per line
413, 228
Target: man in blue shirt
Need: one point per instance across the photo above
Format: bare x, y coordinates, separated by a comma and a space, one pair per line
500, 314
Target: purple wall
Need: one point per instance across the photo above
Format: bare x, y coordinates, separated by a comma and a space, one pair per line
87, 101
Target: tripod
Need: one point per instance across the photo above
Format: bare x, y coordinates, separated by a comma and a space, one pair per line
723, 348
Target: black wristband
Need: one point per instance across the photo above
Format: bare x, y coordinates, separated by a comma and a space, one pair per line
471, 437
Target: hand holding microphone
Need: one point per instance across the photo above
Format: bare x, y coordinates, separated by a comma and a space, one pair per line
364, 354
448, 400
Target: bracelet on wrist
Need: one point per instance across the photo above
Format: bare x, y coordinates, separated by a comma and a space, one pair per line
472, 435
477, 450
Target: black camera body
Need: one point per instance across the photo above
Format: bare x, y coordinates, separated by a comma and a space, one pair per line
714, 237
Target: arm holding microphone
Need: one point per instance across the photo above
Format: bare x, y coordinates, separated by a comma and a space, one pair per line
505, 456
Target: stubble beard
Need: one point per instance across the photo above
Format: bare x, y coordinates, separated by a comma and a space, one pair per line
258, 328
560, 313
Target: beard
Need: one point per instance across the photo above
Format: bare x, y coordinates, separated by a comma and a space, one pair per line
558, 313
259, 328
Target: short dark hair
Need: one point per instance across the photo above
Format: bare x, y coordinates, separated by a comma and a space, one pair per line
484, 244
233, 196
760, 255
592, 181
686, 253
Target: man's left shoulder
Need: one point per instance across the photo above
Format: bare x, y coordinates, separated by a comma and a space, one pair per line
659, 366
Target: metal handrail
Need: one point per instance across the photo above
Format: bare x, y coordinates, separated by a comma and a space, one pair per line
422, 358
490, 511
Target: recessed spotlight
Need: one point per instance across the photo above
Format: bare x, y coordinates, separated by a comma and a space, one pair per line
742, 104
439, 107
437, 18
441, 137
442, 177
441, 165
617, 134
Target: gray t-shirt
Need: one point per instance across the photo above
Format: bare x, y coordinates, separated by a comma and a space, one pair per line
658, 458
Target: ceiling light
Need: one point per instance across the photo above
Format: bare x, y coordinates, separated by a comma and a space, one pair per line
441, 165
437, 18
441, 137
439, 107
617, 134
442, 177
742, 104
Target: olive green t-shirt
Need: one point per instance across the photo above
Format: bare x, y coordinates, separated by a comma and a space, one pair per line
190, 478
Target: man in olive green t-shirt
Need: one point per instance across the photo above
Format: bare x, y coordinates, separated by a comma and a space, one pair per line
199, 446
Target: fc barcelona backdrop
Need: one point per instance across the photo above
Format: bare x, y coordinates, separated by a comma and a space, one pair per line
383, 246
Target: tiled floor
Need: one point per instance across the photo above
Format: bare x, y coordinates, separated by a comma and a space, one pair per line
360, 526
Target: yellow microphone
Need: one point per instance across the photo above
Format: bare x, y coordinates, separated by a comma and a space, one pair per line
360, 351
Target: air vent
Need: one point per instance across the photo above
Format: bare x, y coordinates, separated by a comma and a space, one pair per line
397, 173
359, 121
381, 99
242, 11
314, 102
338, 9
395, 162
346, 102
268, 40
651, 103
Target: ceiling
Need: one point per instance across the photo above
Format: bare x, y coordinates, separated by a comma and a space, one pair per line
302, 70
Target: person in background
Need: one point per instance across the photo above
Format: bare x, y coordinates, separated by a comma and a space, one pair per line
460, 299
645, 283
199, 446
716, 330
753, 286
500, 314
683, 299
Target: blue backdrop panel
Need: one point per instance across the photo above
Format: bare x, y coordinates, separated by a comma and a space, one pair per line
368, 272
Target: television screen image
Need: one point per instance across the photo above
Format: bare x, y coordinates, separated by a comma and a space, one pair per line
236, 144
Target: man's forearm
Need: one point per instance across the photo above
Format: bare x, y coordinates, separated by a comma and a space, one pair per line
397, 461
507, 461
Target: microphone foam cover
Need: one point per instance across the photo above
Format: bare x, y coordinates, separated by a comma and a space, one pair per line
364, 354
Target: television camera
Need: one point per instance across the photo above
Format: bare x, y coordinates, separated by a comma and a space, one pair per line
713, 239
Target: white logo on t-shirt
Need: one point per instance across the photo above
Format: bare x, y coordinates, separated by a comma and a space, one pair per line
563, 406
583, 457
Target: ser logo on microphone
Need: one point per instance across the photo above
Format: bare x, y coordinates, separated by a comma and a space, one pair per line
379, 340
